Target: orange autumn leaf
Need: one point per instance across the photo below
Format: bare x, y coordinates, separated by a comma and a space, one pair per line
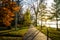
16, 8
11, 14
12, 3
7, 23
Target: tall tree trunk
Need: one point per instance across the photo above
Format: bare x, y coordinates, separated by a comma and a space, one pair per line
41, 24
57, 23
41, 21
15, 21
56, 20
36, 19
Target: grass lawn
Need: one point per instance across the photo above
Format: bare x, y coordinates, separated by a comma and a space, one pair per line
52, 32
11, 34
18, 32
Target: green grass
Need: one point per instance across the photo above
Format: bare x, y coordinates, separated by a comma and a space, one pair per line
52, 32
20, 32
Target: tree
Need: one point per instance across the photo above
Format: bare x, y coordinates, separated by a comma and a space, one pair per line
57, 13
27, 18
7, 10
36, 11
42, 12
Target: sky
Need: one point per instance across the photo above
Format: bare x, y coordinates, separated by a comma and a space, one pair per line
28, 3
49, 3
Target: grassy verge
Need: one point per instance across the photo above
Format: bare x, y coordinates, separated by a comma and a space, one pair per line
10, 38
52, 32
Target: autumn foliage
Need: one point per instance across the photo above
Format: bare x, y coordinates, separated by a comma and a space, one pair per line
7, 12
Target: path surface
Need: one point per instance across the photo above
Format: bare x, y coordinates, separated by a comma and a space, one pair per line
34, 34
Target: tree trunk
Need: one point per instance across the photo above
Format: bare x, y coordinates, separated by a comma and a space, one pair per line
36, 19
16, 21
57, 23
41, 23
56, 20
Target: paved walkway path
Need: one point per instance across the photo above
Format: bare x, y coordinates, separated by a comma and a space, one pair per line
34, 34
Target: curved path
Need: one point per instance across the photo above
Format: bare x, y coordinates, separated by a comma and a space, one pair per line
34, 34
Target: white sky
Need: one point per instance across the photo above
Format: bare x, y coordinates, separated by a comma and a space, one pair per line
49, 3
26, 3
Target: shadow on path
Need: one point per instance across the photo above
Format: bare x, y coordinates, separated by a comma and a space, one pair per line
34, 34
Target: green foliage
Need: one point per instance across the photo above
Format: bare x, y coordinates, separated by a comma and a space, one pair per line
57, 7
27, 20
57, 12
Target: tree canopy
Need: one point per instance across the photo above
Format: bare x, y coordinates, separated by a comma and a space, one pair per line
7, 9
